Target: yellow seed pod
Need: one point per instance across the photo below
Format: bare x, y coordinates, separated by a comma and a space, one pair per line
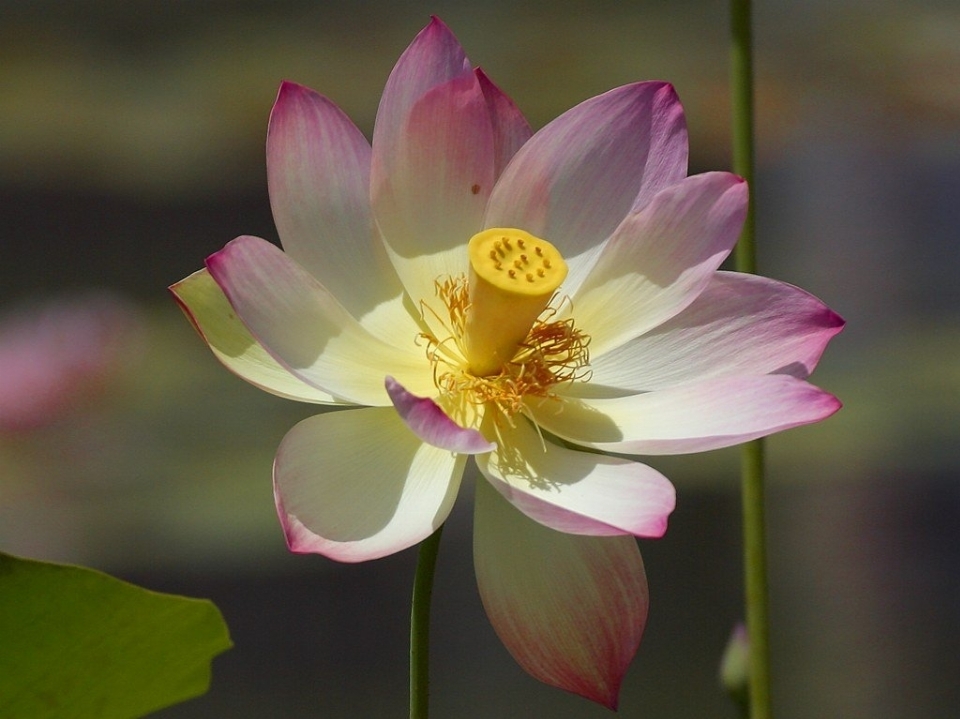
513, 275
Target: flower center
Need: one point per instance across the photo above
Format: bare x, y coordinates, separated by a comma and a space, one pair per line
504, 342
513, 275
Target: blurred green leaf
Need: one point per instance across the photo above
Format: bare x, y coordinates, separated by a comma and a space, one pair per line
75, 642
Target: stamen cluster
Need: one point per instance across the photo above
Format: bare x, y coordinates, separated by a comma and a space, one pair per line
554, 352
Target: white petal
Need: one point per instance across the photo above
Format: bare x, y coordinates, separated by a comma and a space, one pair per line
358, 484
577, 492
693, 417
740, 324
575, 180
318, 172
430, 191
660, 259
207, 308
307, 331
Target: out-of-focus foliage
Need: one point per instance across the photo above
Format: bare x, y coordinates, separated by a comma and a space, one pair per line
78, 643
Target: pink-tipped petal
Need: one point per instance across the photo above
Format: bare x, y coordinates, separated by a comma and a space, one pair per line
578, 177
740, 324
660, 259
426, 420
433, 58
571, 610
578, 492
431, 186
693, 417
318, 172
306, 330
510, 128
357, 485
205, 305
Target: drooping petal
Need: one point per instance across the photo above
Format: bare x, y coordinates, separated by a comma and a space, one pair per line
357, 485
433, 58
207, 308
692, 417
426, 420
306, 330
577, 492
578, 177
740, 324
570, 609
660, 259
429, 191
510, 128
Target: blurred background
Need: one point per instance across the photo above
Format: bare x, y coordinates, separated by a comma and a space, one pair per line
131, 147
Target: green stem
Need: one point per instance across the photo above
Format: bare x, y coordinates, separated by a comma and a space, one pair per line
754, 532
420, 626
741, 82
755, 563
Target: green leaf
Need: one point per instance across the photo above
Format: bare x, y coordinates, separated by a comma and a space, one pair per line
76, 643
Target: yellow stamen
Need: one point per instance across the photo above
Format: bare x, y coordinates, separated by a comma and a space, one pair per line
504, 306
553, 352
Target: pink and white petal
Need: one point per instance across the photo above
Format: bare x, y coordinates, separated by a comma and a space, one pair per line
575, 180
692, 417
306, 330
510, 128
429, 193
660, 259
357, 485
318, 173
395, 321
433, 58
428, 422
577, 492
208, 310
570, 609
740, 324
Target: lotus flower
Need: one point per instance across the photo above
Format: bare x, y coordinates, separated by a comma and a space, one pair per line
535, 300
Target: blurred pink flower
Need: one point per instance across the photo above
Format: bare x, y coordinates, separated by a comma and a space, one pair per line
460, 348
57, 355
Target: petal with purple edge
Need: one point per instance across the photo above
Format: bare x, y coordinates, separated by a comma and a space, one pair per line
510, 128
577, 492
740, 324
318, 172
306, 330
205, 305
429, 192
575, 180
355, 485
428, 422
571, 610
693, 417
660, 259
433, 58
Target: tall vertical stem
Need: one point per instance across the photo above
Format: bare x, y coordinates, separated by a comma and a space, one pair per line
420, 626
752, 465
